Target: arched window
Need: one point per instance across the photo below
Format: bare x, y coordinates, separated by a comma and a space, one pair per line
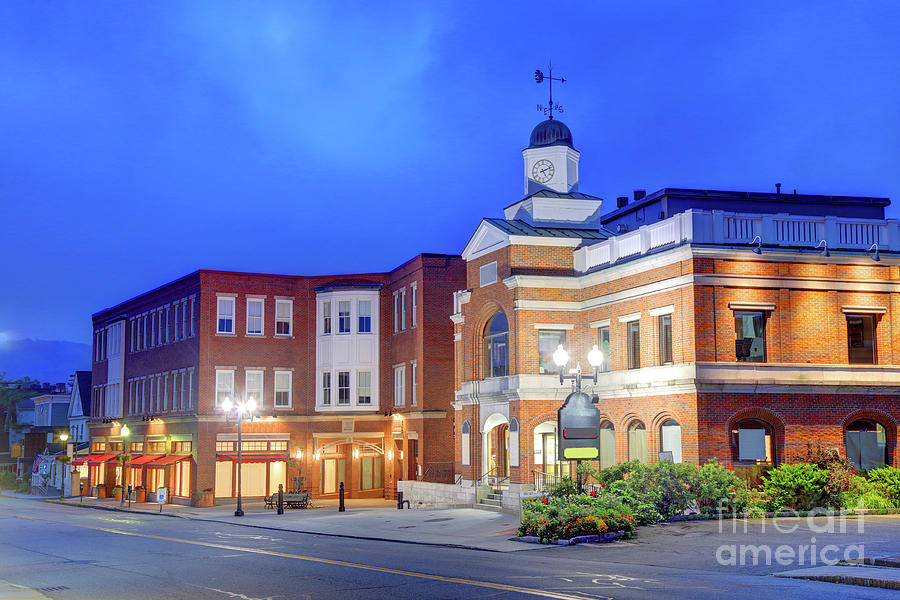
637, 442
670, 439
496, 346
752, 443
607, 445
866, 442
514, 442
466, 443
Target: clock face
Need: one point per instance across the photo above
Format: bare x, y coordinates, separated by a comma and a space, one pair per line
542, 171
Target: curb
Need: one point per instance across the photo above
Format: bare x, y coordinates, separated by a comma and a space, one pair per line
270, 528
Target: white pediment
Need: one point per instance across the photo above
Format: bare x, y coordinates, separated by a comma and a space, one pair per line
75, 401
486, 238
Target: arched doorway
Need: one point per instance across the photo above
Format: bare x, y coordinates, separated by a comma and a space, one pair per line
495, 447
546, 463
866, 444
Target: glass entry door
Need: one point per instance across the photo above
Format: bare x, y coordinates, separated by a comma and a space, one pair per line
333, 473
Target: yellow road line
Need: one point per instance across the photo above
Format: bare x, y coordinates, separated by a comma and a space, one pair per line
327, 561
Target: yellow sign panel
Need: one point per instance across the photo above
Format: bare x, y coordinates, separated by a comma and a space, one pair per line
579, 453
15, 451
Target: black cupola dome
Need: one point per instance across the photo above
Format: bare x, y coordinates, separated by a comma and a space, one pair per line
551, 133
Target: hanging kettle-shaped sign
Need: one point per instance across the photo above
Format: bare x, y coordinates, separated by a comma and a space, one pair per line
579, 428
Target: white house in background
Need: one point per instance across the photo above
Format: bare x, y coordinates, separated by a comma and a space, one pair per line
80, 409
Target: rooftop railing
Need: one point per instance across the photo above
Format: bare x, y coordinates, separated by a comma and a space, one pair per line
727, 228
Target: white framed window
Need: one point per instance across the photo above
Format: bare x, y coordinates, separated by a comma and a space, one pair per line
326, 317
400, 385
396, 312
413, 381
414, 301
326, 388
466, 443
284, 317
192, 315
255, 310
224, 385
364, 312
344, 316
487, 274
403, 310
514, 442
190, 390
146, 336
225, 317
364, 387
344, 387
168, 323
283, 389
176, 322
153, 329
165, 399
253, 386
133, 334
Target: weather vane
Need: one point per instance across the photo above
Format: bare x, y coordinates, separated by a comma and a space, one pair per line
539, 77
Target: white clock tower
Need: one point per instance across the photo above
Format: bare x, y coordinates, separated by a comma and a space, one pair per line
551, 161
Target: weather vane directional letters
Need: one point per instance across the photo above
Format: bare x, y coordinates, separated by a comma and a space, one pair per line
539, 77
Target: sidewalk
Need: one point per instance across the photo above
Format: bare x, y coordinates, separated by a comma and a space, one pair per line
11, 591
364, 519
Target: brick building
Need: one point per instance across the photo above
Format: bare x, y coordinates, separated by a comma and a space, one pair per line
738, 326
352, 376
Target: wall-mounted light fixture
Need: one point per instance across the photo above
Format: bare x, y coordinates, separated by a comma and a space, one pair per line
758, 248
824, 246
875, 256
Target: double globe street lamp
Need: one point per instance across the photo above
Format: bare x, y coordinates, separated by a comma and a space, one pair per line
240, 410
561, 359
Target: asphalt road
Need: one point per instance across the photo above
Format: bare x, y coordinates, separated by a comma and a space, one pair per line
71, 552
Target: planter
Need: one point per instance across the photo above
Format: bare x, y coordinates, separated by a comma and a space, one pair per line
204, 499
140, 495
100, 491
117, 494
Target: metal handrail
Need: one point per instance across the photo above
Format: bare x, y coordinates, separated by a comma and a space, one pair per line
543, 481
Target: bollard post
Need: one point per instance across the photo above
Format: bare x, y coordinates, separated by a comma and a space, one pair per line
280, 499
341, 505
129, 495
399, 500
80, 492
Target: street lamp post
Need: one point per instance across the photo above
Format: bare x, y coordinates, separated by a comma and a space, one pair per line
561, 359
64, 438
124, 432
240, 409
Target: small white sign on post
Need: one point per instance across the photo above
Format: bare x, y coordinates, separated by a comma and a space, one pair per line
161, 496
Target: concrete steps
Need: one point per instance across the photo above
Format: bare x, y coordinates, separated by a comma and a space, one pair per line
492, 501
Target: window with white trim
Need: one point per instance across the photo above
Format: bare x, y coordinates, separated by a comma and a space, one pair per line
344, 387
253, 386
283, 389
326, 318
190, 387
466, 443
414, 300
364, 387
413, 381
364, 312
176, 322
396, 312
224, 386
400, 386
225, 315
284, 317
193, 312
255, 310
168, 323
326, 388
344, 316
403, 310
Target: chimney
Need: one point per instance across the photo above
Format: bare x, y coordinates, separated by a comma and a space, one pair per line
777, 188
639, 194
621, 201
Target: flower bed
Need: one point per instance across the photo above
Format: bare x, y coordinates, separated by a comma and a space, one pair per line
631, 494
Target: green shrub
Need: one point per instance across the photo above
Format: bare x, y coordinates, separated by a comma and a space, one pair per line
798, 486
664, 485
716, 488
886, 481
839, 468
24, 486
617, 472
564, 487
7, 480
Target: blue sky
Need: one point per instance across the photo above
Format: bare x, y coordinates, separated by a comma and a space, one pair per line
141, 141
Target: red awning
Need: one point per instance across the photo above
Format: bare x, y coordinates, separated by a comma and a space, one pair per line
97, 459
81, 460
165, 461
143, 459
253, 458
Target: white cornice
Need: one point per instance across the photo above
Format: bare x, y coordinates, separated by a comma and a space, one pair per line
796, 283
606, 299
